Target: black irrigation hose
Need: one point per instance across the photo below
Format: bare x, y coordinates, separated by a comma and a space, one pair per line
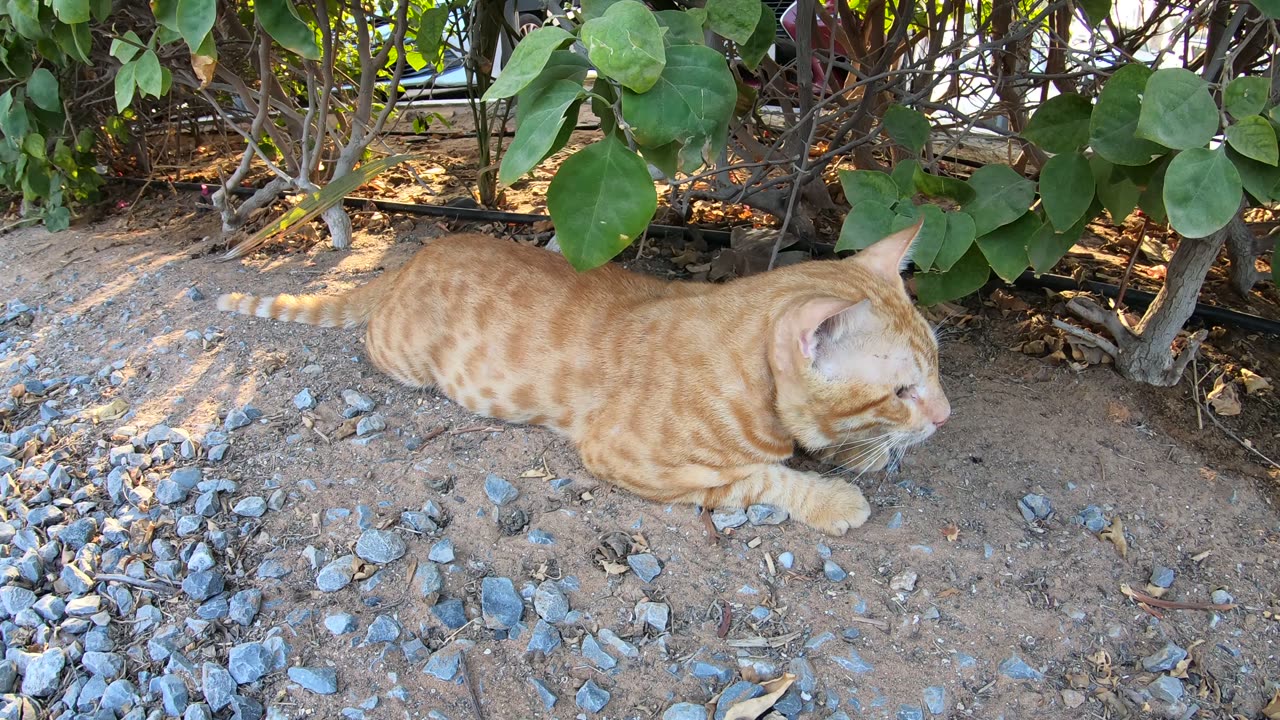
1207, 313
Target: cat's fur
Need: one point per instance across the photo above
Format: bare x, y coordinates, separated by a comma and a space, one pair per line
678, 391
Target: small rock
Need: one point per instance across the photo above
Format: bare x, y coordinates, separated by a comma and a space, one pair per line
853, 662
909, 712
645, 566
252, 507
547, 697
550, 602
236, 419
935, 699
499, 491
725, 519
544, 638
654, 614
1017, 669
341, 623
194, 295
370, 424
1092, 518
383, 629
1035, 507
450, 612
904, 581
895, 522
541, 537
42, 676
591, 697
709, 671
201, 586
624, 648
766, 515
1166, 658
592, 651
337, 574
173, 693
380, 546
321, 681
248, 662
1221, 597
685, 711
1073, 699
441, 552
1166, 688
787, 560
834, 572
107, 665
304, 400
217, 685
734, 694
1161, 576
358, 401
500, 605
443, 665
428, 578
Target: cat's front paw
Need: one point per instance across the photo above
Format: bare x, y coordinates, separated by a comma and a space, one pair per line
840, 508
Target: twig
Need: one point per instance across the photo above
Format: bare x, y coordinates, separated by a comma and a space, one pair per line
136, 582
726, 619
1171, 604
1237, 438
1105, 345
1133, 257
475, 698
1195, 392
870, 621
477, 428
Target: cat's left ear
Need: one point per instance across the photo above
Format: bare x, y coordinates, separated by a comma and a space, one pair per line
889, 257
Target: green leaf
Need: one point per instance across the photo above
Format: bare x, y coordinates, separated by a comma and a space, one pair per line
870, 220
1269, 8
17, 56
1253, 137
315, 203
57, 219
904, 176
13, 118
1115, 118
968, 275
860, 185
1060, 124
166, 12
762, 38
125, 83
42, 88
430, 37
1246, 96
666, 158
1201, 191
959, 238
1118, 194
1152, 198
1000, 196
562, 65
538, 128
71, 11
1177, 110
195, 19
527, 60
35, 182
691, 102
931, 236
1260, 180
684, 27
735, 19
1006, 247
604, 97
942, 186
282, 23
1095, 11
33, 145
1046, 247
147, 73
127, 47
595, 8
1066, 188
101, 9
25, 16
600, 199
625, 44
907, 127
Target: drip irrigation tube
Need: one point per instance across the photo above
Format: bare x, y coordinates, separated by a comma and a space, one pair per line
1138, 298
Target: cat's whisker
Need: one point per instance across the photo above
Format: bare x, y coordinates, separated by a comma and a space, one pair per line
870, 454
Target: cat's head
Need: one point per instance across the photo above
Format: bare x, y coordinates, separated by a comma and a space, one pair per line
859, 366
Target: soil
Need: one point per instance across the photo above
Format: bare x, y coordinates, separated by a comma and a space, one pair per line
991, 584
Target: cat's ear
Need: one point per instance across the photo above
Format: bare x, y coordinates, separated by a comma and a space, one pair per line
889, 257
827, 320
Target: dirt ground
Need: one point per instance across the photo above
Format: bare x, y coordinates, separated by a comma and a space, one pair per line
991, 585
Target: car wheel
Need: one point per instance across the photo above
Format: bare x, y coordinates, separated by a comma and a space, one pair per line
528, 22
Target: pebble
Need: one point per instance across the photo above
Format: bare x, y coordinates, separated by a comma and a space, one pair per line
1017, 669
201, 586
550, 603
645, 566
541, 537
441, 552
443, 665
105, 664
41, 678
1092, 518
341, 623
1221, 597
766, 515
1161, 576
935, 699
173, 693
709, 671
383, 629
896, 521
499, 491
592, 651
624, 648
787, 560
304, 400
547, 697
853, 662
725, 519
358, 401
544, 639
321, 681
834, 572
1166, 658
451, 613
248, 662
370, 424
381, 546
1166, 688
428, 578
591, 697
904, 581
236, 419
909, 712
337, 574
654, 614
734, 694
500, 605
685, 711
251, 507
1035, 507
217, 685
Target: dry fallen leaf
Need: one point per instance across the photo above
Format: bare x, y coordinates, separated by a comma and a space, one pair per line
108, 412
613, 568
755, 707
1253, 382
1223, 398
1156, 591
1115, 536
204, 67
951, 532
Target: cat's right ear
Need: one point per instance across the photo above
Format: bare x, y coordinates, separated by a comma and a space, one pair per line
816, 321
889, 257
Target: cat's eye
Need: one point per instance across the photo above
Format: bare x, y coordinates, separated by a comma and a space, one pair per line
903, 391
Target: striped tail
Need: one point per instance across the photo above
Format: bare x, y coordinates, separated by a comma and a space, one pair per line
349, 310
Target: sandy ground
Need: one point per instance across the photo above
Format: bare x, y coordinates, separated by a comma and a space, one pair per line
990, 584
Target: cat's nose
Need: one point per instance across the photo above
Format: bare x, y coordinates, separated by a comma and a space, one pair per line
940, 413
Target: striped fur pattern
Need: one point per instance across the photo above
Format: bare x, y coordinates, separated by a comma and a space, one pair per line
678, 391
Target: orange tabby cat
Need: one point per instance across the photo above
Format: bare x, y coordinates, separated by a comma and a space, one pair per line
678, 391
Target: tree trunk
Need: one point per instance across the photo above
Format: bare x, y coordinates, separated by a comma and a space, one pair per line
234, 218
1242, 250
485, 36
339, 223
